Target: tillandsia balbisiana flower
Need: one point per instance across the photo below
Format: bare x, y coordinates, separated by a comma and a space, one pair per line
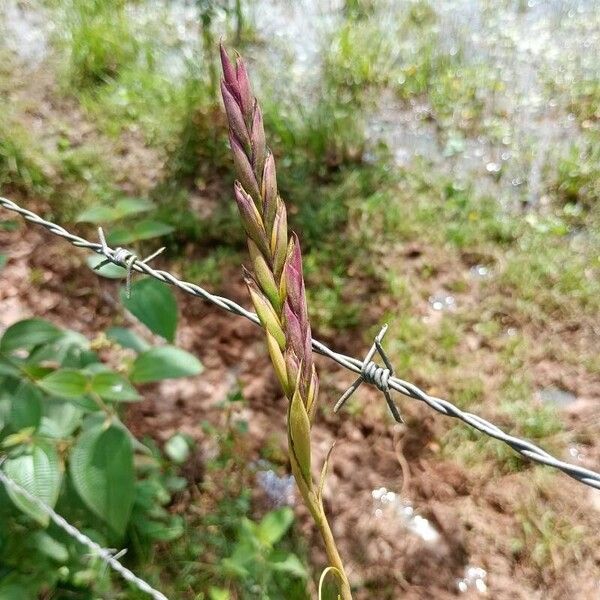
276, 285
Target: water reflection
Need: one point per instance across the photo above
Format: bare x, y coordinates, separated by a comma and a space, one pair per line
388, 503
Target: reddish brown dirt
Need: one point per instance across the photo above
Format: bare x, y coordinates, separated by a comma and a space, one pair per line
477, 511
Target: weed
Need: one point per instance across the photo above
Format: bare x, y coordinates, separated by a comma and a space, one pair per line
22, 166
99, 42
545, 537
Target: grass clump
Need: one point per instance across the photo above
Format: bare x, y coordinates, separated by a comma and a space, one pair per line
99, 41
22, 166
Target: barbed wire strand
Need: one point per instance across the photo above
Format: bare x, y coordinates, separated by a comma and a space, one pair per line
106, 555
383, 379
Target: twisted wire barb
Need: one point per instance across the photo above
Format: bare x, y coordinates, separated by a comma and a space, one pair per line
523, 447
106, 555
375, 375
124, 258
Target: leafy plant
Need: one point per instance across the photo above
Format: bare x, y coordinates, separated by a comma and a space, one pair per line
63, 440
124, 213
256, 559
99, 40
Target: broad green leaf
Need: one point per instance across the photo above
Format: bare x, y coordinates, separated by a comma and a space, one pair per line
132, 206
36, 371
14, 591
3, 260
143, 230
101, 467
98, 213
154, 304
60, 418
127, 339
8, 368
64, 383
110, 270
114, 387
50, 547
287, 563
177, 448
27, 334
164, 362
275, 524
26, 410
70, 344
40, 473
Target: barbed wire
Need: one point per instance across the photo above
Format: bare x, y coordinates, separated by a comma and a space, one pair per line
380, 377
107, 556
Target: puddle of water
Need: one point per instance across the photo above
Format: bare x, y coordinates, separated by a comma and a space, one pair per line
388, 503
576, 453
441, 302
556, 397
474, 579
479, 272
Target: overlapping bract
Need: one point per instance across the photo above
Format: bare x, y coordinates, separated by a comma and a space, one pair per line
276, 283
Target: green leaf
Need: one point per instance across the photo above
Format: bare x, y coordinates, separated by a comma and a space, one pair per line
60, 418
143, 230
101, 468
127, 339
3, 260
27, 334
65, 383
40, 473
154, 304
14, 591
112, 386
7, 368
98, 213
47, 545
164, 362
275, 524
110, 270
133, 206
26, 410
288, 563
177, 448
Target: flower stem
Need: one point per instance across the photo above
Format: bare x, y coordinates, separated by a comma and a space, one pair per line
315, 506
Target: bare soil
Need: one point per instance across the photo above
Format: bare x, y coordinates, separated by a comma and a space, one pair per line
476, 511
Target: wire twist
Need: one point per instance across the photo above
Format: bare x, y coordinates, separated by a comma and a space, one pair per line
523, 447
122, 257
378, 376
